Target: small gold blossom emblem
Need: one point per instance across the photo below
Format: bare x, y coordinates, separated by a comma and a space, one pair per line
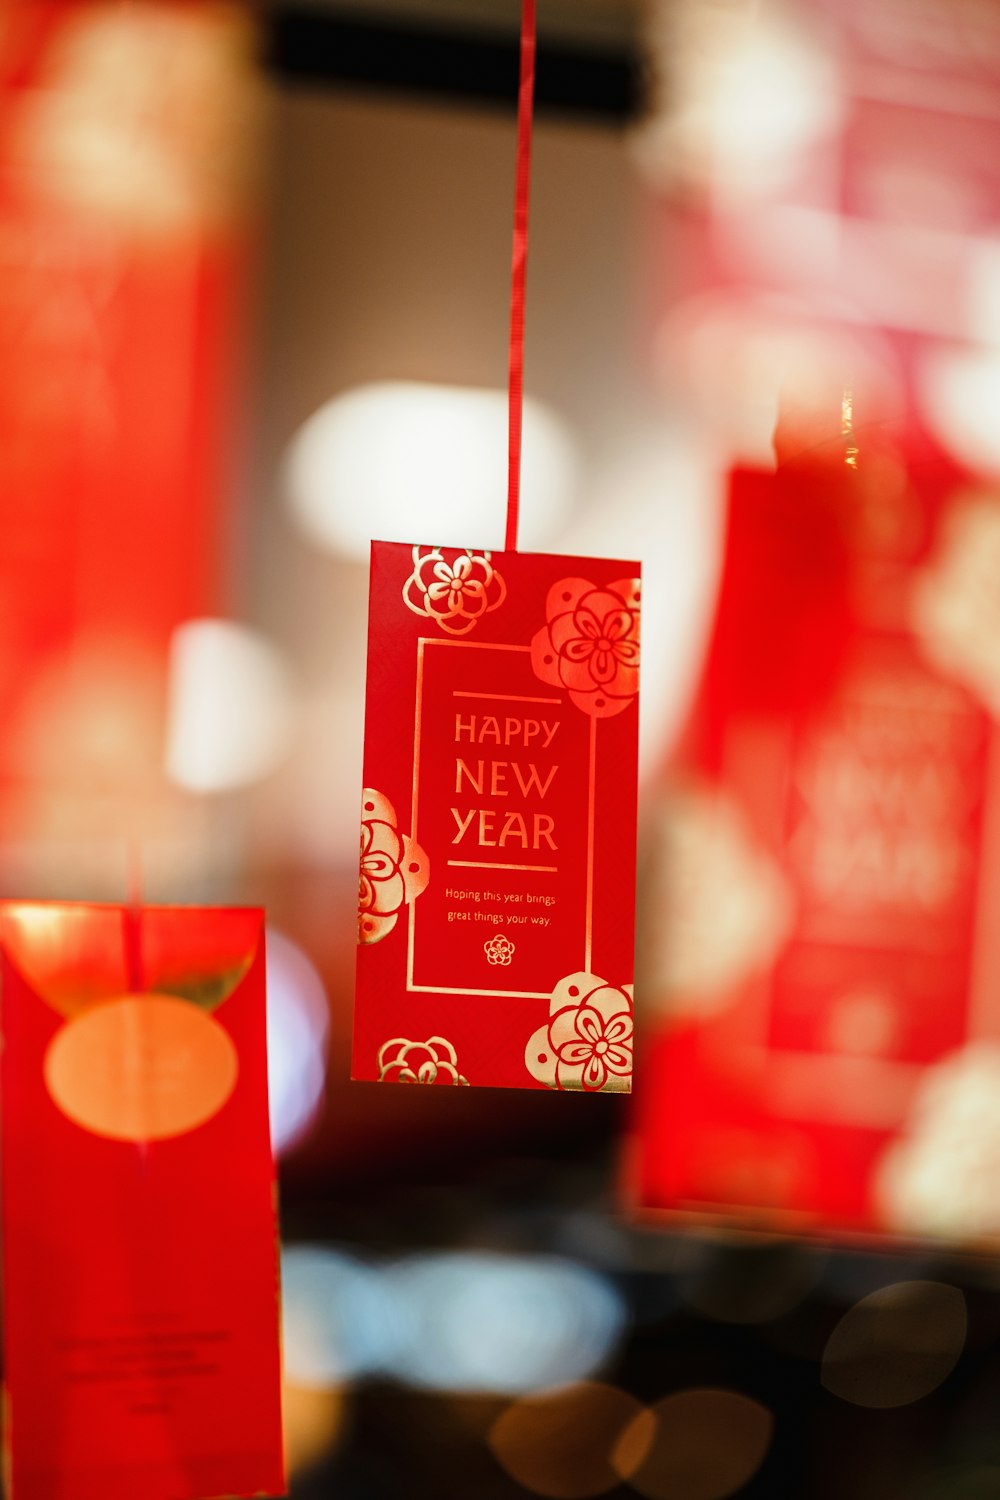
453, 586
499, 950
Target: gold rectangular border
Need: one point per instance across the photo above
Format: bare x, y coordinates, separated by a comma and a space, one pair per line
435, 989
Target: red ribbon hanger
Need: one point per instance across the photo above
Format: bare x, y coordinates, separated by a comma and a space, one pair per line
519, 266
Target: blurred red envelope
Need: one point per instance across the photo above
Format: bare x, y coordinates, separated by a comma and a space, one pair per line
821, 946
139, 1231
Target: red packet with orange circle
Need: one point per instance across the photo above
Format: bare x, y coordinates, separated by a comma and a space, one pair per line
497, 879
139, 1233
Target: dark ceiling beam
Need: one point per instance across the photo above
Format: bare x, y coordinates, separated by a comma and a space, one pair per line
308, 46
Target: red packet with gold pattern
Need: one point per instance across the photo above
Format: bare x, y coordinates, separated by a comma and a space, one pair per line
139, 1234
824, 954
497, 880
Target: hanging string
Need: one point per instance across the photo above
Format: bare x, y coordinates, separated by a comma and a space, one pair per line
133, 918
519, 267
847, 428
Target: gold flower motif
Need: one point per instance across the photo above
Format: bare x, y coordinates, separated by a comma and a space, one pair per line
589, 644
393, 871
954, 606
453, 586
498, 950
587, 1043
433, 1061
938, 1176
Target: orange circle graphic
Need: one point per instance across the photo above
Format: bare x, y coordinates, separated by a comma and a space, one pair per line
141, 1068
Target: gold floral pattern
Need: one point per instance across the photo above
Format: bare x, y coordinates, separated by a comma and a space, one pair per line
453, 586
938, 1176
589, 644
587, 1043
955, 607
394, 869
433, 1061
498, 950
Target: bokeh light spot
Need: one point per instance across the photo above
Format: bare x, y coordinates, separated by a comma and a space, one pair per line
374, 457
569, 1443
707, 1444
754, 1283
337, 1320
312, 1419
959, 390
896, 1345
298, 1021
481, 1322
230, 707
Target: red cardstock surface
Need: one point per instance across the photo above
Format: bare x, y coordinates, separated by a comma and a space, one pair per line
139, 1234
497, 881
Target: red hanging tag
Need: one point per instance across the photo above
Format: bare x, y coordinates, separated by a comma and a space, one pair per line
139, 1233
824, 960
497, 880
496, 897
